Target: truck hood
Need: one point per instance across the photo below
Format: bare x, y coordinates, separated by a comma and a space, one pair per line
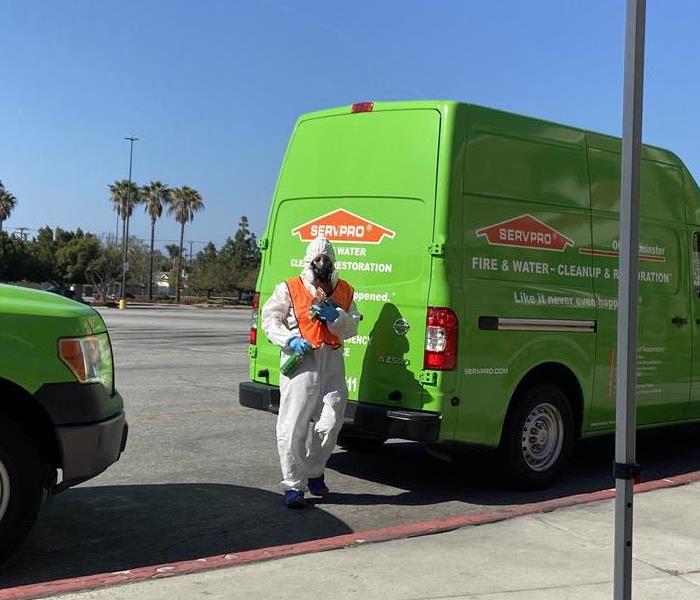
16, 300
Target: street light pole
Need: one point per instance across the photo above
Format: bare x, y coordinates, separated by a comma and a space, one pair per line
125, 217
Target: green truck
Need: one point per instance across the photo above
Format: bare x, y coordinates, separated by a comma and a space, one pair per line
61, 419
483, 247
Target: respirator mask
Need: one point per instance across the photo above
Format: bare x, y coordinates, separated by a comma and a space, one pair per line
322, 268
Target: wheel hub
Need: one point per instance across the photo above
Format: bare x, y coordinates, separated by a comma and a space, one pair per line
540, 432
543, 437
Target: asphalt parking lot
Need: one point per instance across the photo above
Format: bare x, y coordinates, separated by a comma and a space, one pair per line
199, 476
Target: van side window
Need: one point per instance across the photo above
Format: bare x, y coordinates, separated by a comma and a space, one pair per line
696, 264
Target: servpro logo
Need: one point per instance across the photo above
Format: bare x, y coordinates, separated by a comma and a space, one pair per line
525, 231
343, 226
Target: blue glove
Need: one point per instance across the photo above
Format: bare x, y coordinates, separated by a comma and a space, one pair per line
299, 345
326, 312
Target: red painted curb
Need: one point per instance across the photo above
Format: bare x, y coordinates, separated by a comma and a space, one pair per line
91, 582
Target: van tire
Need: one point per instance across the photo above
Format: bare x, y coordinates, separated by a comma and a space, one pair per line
534, 461
22, 471
360, 443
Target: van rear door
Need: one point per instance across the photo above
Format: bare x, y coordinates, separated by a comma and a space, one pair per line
367, 182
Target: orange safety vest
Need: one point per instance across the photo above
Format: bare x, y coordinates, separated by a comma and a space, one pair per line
315, 331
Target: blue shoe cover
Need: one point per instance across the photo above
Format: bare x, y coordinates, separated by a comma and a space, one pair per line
317, 486
294, 499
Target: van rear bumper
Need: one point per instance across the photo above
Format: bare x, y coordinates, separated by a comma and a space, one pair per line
259, 396
371, 420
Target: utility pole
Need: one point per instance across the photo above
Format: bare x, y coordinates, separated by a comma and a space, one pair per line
22, 232
626, 468
125, 228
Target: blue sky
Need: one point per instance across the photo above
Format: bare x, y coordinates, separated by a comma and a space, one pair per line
213, 87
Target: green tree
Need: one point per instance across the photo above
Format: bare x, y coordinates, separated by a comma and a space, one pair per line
7, 204
62, 237
240, 259
156, 196
74, 259
160, 261
186, 202
104, 271
15, 258
139, 263
206, 271
43, 249
173, 251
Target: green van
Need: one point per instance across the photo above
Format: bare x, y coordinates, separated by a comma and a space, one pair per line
483, 248
61, 419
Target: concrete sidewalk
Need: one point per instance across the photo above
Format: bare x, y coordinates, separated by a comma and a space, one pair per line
564, 554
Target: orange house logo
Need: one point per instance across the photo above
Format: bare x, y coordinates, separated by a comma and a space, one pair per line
343, 226
525, 231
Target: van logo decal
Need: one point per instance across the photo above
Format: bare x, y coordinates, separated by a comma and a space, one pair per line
525, 231
656, 255
343, 226
401, 327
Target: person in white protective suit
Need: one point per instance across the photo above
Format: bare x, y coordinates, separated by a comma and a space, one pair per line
310, 315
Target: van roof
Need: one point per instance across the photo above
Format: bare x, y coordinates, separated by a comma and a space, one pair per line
595, 139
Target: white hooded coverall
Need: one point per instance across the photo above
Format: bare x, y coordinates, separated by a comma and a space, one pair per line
312, 400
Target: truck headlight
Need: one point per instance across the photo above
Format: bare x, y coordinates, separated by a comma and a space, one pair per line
89, 359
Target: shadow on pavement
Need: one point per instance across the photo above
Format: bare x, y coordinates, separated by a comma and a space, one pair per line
93, 530
473, 477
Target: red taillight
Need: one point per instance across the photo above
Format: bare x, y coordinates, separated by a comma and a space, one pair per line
441, 334
253, 335
359, 107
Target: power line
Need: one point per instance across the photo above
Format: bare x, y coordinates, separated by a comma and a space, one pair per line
178, 241
22, 232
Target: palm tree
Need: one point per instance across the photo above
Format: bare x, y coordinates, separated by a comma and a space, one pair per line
173, 251
124, 195
7, 204
155, 195
186, 201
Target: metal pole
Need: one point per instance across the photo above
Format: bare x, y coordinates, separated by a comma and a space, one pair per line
125, 215
626, 469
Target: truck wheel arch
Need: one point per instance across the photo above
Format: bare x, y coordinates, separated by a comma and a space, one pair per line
560, 375
19, 405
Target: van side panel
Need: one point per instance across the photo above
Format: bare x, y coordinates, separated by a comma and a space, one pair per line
526, 213
663, 365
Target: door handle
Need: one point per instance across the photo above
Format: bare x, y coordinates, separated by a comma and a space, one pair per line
679, 321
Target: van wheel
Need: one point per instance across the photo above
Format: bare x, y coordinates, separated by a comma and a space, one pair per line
21, 486
360, 443
538, 436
